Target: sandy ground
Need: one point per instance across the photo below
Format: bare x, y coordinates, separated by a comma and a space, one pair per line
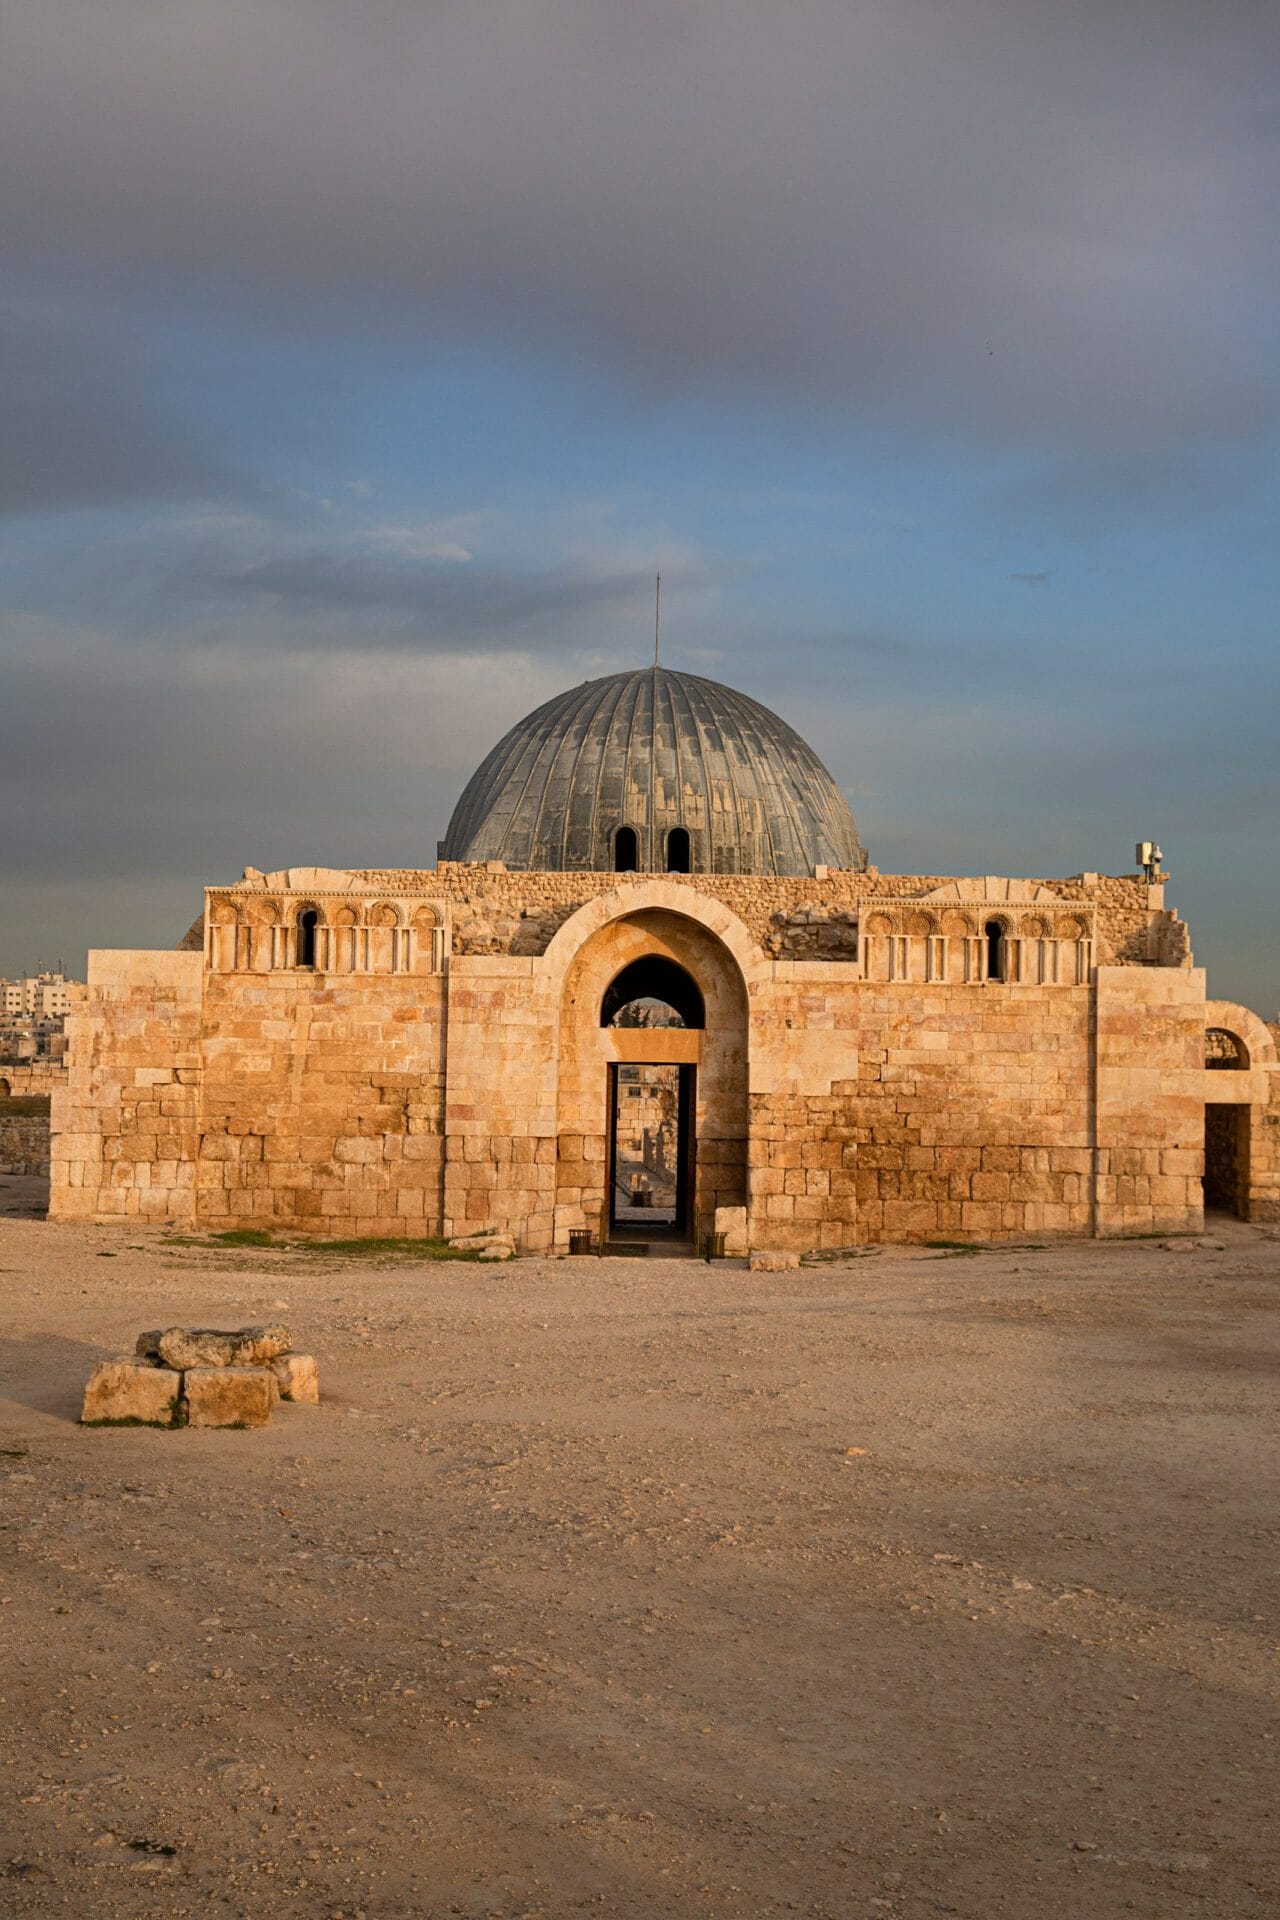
912, 1585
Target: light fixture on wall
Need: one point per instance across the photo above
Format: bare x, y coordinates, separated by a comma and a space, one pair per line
1149, 858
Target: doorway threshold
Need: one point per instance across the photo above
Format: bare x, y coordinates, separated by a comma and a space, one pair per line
634, 1244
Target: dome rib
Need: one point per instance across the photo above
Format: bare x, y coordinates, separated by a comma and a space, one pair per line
654, 749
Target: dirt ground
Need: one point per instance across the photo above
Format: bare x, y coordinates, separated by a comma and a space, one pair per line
912, 1585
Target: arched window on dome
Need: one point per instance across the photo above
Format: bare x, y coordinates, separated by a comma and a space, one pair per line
626, 850
678, 850
308, 921
995, 949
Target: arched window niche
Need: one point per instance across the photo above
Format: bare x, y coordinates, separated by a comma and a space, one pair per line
626, 850
653, 992
1225, 1051
678, 850
993, 933
308, 922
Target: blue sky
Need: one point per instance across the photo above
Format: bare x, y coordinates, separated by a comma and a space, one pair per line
358, 375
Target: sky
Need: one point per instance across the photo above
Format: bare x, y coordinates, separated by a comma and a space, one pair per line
360, 365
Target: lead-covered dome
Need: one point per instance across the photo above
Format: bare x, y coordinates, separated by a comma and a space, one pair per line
657, 755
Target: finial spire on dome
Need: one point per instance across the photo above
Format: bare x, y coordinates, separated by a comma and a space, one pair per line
657, 615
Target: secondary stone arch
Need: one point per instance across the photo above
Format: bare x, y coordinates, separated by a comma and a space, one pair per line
1224, 1016
710, 1060
669, 895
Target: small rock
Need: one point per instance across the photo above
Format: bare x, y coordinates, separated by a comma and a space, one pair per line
228, 1396
765, 1262
133, 1390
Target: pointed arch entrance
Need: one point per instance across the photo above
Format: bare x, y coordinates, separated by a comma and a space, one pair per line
652, 1083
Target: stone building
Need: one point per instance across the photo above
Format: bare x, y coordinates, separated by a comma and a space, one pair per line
654, 871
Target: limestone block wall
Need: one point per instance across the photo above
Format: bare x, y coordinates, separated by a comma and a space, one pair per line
1149, 1093
125, 1124
412, 1072
24, 1141
927, 1111
34, 1080
500, 1117
322, 1102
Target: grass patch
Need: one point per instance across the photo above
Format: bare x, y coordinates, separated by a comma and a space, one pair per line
386, 1247
953, 1246
130, 1421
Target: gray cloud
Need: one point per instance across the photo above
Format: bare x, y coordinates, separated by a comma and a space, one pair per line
444, 606
1029, 225
78, 426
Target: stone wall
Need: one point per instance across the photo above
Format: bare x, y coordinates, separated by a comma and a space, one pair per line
495, 912
24, 1137
126, 1133
893, 1090
32, 1080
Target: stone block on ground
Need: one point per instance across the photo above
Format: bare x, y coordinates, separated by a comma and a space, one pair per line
477, 1242
297, 1376
497, 1250
732, 1223
228, 1396
184, 1347
766, 1262
133, 1390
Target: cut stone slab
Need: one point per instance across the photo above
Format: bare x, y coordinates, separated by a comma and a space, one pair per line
184, 1347
228, 1396
132, 1390
764, 1262
478, 1242
732, 1223
298, 1377
497, 1250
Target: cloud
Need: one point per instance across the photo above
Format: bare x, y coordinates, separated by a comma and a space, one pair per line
1031, 226
436, 606
78, 426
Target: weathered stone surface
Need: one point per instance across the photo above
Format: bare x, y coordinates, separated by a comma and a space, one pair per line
766, 1262
732, 1223
477, 1242
497, 1250
211, 1347
228, 1396
259, 1346
297, 1377
149, 1343
130, 1389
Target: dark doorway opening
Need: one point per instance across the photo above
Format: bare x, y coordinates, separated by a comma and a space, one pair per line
653, 992
678, 850
651, 1153
995, 950
626, 850
1226, 1160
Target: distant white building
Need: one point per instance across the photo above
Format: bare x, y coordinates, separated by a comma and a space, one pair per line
32, 1013
46, 995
